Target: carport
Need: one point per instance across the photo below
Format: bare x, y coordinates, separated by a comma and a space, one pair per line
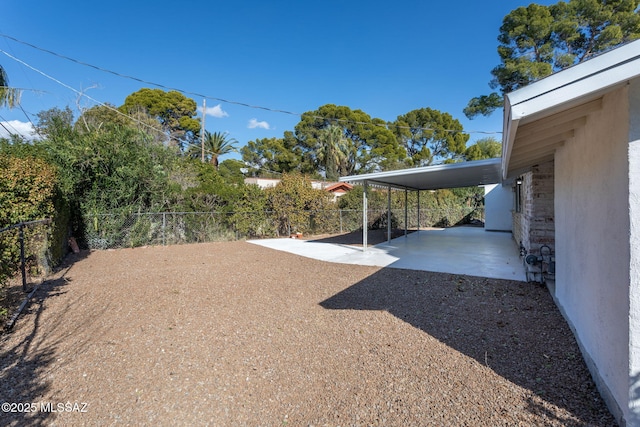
454, 175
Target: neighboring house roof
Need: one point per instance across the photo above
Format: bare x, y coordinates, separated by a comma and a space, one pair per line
542, 116
339, 187
453, 175
333, 187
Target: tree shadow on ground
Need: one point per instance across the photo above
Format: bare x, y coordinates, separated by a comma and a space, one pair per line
512, 327
354, 238
25, 362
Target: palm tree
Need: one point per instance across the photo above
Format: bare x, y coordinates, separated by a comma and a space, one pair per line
9, 97
332, 152
216, 144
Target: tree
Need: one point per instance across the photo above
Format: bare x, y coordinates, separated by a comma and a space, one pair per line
585, 28
55, 123
268, 155
295, 203
99, 116
27, 189
535, 41
367, 145
175, 112
109, 168
250, 216
485, 148
216, 144
232, 171
429, 135
332, 153
9, 97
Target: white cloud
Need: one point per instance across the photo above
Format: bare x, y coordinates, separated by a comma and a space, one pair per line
215, 111
254, 123
16, 126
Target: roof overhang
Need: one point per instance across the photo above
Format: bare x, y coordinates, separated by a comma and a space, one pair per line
453, 175
544, 115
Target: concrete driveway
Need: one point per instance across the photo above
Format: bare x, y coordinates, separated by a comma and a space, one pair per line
459, 250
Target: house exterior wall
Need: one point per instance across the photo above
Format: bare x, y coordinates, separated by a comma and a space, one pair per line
592, 245
634, 252
498, 203
533, 222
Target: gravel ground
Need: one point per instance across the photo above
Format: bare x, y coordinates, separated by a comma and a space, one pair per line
236, 334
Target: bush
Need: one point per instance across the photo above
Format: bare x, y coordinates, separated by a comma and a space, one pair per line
27, 193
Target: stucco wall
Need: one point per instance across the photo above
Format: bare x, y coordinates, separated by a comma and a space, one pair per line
634, 251
498, 203
592, 242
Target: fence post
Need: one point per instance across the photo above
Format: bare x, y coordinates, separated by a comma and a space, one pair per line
164, 224
340, 210
23, 267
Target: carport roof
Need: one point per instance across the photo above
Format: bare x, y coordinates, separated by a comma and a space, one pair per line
453, 175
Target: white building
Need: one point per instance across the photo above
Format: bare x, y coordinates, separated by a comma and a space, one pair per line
571, 148
572, 142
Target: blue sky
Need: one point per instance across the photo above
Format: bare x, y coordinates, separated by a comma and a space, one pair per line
385, 58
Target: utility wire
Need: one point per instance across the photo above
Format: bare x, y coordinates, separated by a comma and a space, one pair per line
4, 121
33, 126
89, 97
227, 101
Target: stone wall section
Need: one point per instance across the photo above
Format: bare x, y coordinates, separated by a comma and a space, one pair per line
533, 224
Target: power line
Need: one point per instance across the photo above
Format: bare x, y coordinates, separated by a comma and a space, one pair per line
88, 97
115, 73
227, 101
35, 129
5, 121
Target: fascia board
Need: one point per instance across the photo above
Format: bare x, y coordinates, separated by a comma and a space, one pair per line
390, 177
550, 101
509, 129
595, 75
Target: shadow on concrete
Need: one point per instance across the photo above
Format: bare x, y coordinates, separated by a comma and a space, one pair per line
354, 238
512, 327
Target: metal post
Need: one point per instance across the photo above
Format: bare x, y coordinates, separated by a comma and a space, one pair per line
23, 267
418, 210
388, 214
365, 220
340, 211
406, 213
164, 226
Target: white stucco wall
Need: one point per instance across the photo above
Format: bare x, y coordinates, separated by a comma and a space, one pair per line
592, 242
498, 204
634, 252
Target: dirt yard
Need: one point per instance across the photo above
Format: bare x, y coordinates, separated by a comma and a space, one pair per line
232, 333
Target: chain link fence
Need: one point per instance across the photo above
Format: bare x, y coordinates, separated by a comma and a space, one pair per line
110, 231
24, 253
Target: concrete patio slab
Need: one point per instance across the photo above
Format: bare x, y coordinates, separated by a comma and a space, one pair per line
459, 250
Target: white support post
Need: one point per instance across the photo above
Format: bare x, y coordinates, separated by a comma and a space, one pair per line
365, 220
388, 214
406, 213
418, 210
